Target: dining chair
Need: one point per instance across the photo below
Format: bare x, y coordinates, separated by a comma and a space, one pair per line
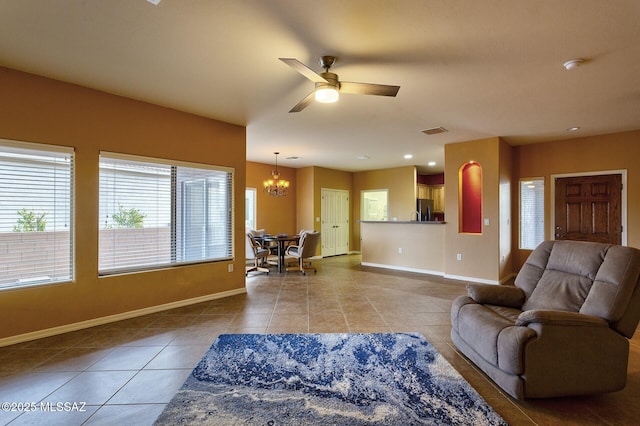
256, 253
303, 251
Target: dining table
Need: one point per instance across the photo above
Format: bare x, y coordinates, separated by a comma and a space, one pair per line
282, 241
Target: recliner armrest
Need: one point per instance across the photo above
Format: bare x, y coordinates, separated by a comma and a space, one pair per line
501, 295
574, 319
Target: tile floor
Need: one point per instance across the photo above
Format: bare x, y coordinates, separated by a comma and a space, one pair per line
124, 373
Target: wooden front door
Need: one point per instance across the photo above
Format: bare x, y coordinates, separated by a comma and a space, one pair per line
589, 208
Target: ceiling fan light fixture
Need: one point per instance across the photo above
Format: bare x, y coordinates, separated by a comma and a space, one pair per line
573, 64
326, 94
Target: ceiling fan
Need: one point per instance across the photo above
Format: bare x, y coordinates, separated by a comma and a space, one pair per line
328, 87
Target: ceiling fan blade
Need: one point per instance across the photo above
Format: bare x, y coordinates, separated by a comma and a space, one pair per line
304, 70
304, 103
368, 89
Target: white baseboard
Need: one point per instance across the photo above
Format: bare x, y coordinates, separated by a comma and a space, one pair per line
401, 268
113, 318
471, 279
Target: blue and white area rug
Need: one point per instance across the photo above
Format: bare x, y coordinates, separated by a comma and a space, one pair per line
326, 379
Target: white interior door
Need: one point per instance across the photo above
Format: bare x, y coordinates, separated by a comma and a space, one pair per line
335, 222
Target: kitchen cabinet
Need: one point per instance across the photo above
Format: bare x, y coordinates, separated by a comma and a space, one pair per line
436, 193
423, 191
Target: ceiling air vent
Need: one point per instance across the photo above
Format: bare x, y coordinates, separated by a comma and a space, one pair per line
434, 130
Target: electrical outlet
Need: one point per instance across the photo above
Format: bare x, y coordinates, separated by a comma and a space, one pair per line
230, 267
399, 250
459, 256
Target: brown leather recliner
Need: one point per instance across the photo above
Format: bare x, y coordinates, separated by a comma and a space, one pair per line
563, 329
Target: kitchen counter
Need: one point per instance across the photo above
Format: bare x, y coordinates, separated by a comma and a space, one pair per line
412, 222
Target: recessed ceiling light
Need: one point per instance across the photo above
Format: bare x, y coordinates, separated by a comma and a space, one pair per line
154, 2
431, 163
408, 156
573, 129
572, 64
362, 157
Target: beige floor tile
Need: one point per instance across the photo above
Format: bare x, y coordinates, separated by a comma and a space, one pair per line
69, 415
74, 359
145, 388
250, 320
91, 387
127, 358
109, 415
152, 355
184, 356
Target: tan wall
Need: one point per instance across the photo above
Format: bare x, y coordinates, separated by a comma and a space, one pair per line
305, 196
420, 244
480, 252
277, 215
618, 151
401, 183
41, 110
505, 215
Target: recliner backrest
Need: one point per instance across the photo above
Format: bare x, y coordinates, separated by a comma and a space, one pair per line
590, 278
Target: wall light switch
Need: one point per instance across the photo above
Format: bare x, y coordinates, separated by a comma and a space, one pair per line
486, 221
459, 256
317, 219
399, 250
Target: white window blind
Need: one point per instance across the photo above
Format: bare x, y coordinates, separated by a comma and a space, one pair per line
531, 213
36, 192
155, 213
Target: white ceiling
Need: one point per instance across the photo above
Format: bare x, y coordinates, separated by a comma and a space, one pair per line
478, 68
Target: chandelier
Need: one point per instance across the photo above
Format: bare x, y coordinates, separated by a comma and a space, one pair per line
275, 186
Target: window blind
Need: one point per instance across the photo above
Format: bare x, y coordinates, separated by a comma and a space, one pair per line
36, 193
155, 213
531, 213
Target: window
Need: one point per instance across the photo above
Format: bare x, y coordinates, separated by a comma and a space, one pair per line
250, 209
155, 213
36, 189
531, 213
375, 204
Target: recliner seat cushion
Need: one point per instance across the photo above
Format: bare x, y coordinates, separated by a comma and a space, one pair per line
492, 332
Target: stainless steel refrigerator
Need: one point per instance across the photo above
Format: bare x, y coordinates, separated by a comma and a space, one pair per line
424, 206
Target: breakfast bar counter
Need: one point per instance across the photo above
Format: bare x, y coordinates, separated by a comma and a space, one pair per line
404, 245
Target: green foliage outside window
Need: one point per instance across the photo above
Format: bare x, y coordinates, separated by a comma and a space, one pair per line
128, 218
30, 221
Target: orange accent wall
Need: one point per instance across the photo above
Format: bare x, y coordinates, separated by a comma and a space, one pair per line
38, 109
277, 215
616, 151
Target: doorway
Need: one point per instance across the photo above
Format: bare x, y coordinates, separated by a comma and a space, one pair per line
335, 222
590, 207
